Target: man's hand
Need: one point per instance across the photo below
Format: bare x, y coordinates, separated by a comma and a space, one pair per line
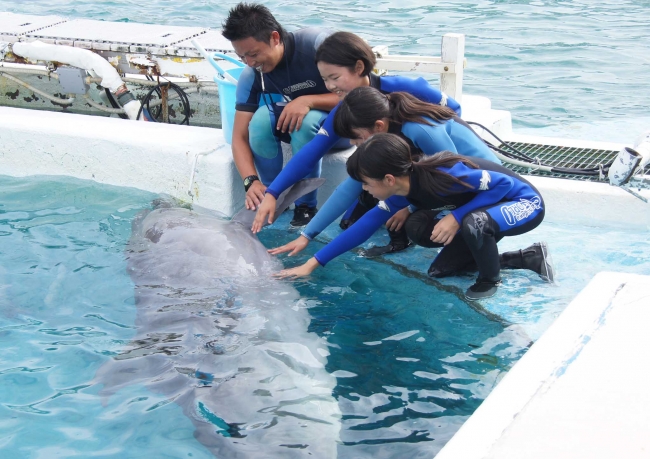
265, 210
396, 222
291, 117
254, 195
294, 246
299, 271
445, 230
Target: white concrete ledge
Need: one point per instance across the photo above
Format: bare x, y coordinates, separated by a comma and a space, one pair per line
149, 156
160, 158
592, 204
580, 392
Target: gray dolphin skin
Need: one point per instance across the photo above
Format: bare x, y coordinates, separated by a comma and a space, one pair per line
224, 340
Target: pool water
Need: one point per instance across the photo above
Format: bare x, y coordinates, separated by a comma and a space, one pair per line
412, 359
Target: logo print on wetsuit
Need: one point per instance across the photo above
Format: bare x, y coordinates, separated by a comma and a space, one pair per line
485, 179
478, 225
299, 86
323, 131
383, 206
520, 210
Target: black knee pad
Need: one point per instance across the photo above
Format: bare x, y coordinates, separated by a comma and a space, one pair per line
419, 227
476, 226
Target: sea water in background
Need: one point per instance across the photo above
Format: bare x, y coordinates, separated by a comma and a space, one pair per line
563, 68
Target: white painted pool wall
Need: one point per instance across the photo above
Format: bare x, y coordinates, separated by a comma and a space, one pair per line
148, 156
581, 391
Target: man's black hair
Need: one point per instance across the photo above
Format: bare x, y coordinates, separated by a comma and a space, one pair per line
251, 20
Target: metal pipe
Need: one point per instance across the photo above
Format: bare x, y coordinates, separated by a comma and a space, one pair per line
68, 101
101, 107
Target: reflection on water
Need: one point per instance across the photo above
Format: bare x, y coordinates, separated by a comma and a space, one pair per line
411, 362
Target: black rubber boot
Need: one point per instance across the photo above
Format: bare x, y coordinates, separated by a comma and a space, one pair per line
398, 242
302, 214
534, 258
482, 288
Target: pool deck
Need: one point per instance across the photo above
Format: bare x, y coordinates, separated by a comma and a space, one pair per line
580, 391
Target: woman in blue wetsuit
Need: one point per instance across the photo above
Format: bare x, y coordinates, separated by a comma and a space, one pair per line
486, 200
345, 62
427, 128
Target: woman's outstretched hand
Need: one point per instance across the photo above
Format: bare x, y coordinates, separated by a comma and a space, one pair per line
299, 271
294, 247
445, 230
265, 211
396, 222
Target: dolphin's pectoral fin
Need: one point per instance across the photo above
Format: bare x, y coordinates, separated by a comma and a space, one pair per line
296, 191
301, 188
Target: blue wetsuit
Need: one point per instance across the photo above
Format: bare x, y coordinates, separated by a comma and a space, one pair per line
303, 161
295, 75
452, 135
499, 203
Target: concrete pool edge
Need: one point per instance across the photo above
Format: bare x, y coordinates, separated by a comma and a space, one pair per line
578, 392
173, 159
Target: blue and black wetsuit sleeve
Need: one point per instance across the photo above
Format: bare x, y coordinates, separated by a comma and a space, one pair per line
304, 161
490, 187
420, 88
361, 230
247, 94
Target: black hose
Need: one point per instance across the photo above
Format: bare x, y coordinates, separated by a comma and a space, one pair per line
114, 103
185, 103
519, 155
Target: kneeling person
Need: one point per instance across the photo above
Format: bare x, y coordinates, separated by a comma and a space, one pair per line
280, 97
486, 201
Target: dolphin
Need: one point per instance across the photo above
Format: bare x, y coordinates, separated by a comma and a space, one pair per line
224, 340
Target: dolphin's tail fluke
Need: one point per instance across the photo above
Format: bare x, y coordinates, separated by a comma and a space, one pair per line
301, 188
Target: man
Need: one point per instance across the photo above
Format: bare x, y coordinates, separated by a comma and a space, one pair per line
280, 97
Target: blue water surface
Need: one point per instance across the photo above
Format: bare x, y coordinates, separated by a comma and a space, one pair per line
411, 366
565, 68
412, 358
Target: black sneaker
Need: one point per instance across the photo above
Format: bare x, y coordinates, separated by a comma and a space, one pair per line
390, 248
398, 242
483, 288
302, 215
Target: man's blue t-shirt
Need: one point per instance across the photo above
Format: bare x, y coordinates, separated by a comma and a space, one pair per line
295, 75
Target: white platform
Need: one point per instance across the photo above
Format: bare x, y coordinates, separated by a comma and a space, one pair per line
581, 391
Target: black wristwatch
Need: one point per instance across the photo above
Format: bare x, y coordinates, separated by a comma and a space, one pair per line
248, 181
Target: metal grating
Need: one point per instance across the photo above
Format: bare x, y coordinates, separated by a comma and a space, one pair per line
557, 156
